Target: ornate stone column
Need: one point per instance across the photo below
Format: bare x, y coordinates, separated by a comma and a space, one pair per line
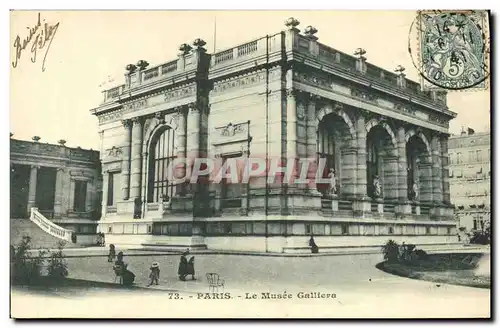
193, 137
127, 124
437, 171
72, 194
105, 186
89, 199
362, 203
349, 170
291, 132
181, 147
445, 169
32, 187
390, 183
404, 207
58, 210
312, 139
136, 158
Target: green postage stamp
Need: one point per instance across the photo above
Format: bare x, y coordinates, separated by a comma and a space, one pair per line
453, 49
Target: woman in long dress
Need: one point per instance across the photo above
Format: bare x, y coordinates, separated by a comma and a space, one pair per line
120, 267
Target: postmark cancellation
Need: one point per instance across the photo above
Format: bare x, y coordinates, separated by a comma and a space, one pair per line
453, 49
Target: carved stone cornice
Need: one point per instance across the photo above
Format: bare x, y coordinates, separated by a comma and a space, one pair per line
239, 81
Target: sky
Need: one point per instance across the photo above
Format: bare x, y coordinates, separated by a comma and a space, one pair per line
90, 49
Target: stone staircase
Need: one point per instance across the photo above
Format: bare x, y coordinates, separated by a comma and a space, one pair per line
39, 238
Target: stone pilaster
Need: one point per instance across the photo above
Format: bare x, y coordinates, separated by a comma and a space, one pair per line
390, 183
437, 171
136, 158
445, 169
425, 180
181, 147
402, 166
58, 209
126, 149
105, 186
361, 156
348, 171
32, 187
312, 139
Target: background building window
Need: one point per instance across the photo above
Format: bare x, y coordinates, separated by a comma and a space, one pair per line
479, 157
459, 158
80, 196
345, 228
161, 155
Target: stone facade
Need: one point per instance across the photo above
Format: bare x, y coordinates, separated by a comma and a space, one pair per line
63, 183
284, 96
470, 178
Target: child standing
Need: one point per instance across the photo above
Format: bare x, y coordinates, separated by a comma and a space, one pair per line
112, 253
155, 273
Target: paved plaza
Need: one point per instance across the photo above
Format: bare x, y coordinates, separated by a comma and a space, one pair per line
360, 288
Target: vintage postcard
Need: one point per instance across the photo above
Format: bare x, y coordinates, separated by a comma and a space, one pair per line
250, 164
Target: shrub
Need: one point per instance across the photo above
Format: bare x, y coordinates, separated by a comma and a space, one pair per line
24, 269
390, 251
57, 267
479, 237
420, 254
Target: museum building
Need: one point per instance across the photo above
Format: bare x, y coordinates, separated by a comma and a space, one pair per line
284, 96
63, 184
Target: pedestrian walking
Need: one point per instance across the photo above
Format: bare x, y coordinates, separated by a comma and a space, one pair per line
154, 275
112, 253
190, 268
183, 266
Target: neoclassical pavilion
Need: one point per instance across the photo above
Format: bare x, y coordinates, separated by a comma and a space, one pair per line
285, 96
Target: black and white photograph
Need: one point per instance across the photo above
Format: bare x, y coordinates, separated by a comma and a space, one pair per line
184, 164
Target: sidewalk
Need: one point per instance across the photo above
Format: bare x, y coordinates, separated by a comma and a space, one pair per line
148, 251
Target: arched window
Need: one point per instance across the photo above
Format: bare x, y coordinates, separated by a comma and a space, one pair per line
161, 154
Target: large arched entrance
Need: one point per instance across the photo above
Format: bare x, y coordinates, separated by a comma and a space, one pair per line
381, 161
335, 147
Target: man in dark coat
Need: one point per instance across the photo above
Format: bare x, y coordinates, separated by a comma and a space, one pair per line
183, 266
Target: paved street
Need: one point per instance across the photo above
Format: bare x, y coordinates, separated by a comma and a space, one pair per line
360, 288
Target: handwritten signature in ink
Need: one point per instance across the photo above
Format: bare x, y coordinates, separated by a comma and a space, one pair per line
38, 38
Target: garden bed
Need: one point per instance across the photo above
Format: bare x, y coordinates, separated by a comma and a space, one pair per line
453, 268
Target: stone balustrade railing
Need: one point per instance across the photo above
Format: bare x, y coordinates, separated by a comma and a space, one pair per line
273, 44
50, 227
44, 149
